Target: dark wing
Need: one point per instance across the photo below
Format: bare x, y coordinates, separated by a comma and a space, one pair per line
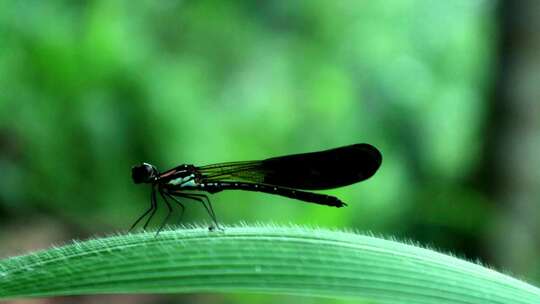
325, 169
309, 171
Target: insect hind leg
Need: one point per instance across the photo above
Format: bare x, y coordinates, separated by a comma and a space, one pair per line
205, 201
207, 206
179, 203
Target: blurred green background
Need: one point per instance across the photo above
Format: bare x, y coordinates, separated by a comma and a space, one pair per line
88, 89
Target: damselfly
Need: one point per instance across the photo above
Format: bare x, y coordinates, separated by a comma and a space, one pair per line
284, 175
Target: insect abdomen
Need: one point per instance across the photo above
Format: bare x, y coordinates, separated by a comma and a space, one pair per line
310, 197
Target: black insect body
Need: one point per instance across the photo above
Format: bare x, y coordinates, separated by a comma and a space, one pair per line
287, 176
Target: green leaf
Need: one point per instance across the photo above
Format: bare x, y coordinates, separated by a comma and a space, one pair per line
261, 259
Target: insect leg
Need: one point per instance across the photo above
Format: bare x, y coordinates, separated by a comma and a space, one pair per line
208, 206
152, 206
200, 198
179, 203
154, 209
169, 211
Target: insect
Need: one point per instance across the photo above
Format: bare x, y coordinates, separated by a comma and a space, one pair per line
287, 176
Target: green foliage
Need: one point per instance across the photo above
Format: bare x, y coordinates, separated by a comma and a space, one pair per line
90, 90
262, 259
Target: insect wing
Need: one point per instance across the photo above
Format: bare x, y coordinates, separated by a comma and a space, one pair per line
309, 171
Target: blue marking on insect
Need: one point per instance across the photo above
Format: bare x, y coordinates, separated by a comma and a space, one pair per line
183, 181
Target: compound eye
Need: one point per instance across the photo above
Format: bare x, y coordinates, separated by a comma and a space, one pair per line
142, 173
